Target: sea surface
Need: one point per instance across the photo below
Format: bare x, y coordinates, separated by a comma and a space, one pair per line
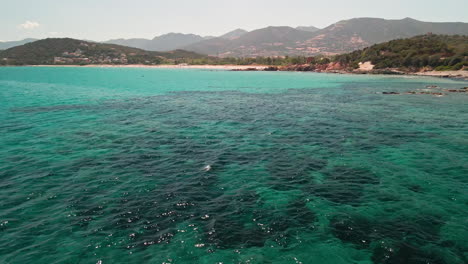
127, 165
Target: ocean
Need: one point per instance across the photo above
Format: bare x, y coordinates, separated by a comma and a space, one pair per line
138, 165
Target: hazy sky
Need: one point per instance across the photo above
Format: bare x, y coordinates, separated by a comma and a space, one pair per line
106, 19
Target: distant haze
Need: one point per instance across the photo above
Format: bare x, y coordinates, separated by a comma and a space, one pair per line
112, 19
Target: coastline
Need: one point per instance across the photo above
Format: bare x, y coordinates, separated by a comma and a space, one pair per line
460, 74
165, 66
444, 74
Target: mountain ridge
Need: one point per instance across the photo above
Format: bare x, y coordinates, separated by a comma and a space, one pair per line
358, 33
267, 41
165, 42
234, 34
10, 44
341, 37
308, 28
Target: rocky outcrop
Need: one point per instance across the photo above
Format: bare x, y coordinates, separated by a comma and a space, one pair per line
271, 68
335, 66
298, 67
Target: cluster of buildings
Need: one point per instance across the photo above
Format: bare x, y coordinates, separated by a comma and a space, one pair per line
78, 57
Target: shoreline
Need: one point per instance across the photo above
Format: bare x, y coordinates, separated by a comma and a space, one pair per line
165, 66
461, 74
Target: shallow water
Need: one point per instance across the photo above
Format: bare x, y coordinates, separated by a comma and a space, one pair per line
107, 164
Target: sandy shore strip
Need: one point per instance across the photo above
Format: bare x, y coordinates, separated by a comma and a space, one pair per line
205, 67
451, 74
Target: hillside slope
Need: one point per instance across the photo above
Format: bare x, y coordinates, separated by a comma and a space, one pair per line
234, 34
270, 41
72, 51
358, 33
342, 37
440, 52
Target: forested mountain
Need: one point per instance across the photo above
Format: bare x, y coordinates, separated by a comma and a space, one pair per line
439, 52
72, 51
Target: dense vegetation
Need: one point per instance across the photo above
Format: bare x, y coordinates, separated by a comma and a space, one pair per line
439, 52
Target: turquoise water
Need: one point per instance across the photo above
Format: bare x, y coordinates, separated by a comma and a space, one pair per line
106, 165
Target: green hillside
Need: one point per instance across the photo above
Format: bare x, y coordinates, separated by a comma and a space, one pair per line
439, 52
77, 52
